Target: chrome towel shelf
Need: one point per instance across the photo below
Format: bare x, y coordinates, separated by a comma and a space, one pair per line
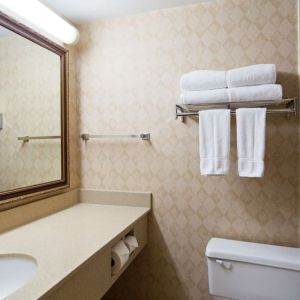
26, 139
143, 136
285, 106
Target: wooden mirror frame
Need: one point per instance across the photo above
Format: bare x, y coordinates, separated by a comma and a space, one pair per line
35, 190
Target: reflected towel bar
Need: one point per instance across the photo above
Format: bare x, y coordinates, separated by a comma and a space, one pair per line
143, 136
285, 106
26, 139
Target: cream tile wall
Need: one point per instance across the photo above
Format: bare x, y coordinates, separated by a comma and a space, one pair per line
30, 104
128, 82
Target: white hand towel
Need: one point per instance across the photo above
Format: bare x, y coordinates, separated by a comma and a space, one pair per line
251, 124
256, 93
252, 75
203, 80
214, 141
203, 97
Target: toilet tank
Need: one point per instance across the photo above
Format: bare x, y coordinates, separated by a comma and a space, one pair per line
250, 271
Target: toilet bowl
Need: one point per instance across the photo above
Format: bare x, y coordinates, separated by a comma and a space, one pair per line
249, 271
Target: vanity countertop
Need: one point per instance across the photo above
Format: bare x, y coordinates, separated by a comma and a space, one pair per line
65, 240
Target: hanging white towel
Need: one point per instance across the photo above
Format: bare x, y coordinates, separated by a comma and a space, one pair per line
214, 141
203, 80
256, 93
252, 75
251, 124
203, 97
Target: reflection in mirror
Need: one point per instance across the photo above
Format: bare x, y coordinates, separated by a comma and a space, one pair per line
30, 105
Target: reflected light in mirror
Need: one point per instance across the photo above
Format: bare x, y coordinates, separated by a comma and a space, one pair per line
44, 18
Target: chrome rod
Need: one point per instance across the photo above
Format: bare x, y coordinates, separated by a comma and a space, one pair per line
46, 137
285, 106
143, 136
233, 112
246, 103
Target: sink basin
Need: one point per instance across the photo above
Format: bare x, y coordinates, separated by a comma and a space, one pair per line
15, 271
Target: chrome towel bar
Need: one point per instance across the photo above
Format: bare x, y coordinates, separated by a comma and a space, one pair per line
143, 136
26, 139
285, 106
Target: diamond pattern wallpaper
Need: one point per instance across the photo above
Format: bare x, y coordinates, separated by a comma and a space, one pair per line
128, 72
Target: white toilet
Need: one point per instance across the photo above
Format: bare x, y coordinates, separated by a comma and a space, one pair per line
250, 271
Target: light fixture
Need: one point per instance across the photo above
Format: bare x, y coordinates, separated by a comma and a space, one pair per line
43, 18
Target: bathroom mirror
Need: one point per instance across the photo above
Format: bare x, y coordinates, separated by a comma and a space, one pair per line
33, 112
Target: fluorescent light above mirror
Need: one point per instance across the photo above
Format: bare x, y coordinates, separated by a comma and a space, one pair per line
43, 18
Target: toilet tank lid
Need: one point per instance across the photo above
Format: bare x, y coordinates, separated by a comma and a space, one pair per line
262, 254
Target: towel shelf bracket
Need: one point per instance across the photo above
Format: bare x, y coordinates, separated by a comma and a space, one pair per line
289, 107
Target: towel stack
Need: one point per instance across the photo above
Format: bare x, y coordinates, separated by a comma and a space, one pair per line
252, 83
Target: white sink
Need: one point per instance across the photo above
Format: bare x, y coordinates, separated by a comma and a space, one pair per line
15, 271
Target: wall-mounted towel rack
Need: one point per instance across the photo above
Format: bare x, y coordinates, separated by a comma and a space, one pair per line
143, 136
285, 106
26, 139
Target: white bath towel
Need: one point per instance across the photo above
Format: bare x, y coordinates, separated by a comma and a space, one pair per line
203, 80
251, 75
251, 124
202, 97
256, 93
214, 141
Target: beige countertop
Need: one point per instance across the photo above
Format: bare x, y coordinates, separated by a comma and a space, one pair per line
62, 242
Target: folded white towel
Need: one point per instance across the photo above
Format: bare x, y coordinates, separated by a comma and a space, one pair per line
256, 93
203, 80
202, 97
251, 124
214, 141
252, 75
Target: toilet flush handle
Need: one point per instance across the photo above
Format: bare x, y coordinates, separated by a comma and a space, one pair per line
225, 264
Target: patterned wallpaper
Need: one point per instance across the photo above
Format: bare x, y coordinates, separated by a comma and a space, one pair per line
128, 72
30, 103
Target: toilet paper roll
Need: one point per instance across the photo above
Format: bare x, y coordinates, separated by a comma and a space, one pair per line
131, 243
119, 255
